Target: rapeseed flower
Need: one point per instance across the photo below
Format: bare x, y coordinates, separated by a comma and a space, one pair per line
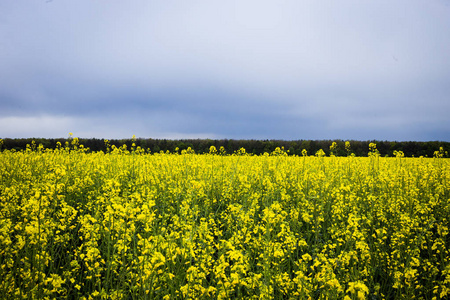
131, 224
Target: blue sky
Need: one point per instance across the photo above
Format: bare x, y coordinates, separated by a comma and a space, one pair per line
288, 70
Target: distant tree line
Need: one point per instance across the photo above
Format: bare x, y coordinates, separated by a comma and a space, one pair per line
257, 147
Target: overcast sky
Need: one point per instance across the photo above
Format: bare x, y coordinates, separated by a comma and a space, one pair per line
242, 69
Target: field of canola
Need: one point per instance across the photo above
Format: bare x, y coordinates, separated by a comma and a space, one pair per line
132, 225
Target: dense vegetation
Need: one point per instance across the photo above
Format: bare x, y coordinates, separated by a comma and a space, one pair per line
359, 148
124, 224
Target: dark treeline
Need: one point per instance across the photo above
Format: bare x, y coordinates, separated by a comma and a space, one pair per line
359, 148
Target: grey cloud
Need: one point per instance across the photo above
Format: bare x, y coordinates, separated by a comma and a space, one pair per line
252, 69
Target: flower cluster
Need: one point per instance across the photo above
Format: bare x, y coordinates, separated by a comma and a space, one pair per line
127, 224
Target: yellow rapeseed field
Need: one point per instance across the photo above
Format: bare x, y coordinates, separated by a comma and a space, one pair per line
129, 224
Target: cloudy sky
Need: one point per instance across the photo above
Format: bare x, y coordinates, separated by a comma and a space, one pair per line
249, 69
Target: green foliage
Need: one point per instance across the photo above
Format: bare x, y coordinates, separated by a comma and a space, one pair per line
256, 147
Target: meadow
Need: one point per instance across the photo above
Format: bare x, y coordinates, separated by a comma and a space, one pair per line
130, 224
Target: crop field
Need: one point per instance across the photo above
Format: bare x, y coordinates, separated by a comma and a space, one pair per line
129, 224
